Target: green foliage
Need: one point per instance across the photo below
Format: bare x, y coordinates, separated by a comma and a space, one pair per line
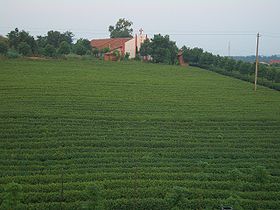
13, 37
13, 54
192, 55
230, 67
117, 54
161, 49
95, 52
95, 198
55, 38
260, 174
121, 29
49, 50
105, 50
175, 198
25, 44
64, 48
24, 49
12, 197
82, 47
234, 202
126, 56
3, 47
236, 174
16, 38
245, 68
146, 49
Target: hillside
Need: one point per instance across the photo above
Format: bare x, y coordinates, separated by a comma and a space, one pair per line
145, 134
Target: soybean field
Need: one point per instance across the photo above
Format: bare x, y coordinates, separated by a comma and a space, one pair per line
82, 134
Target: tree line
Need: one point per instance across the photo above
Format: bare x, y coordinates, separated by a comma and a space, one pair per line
268, 75
53, 44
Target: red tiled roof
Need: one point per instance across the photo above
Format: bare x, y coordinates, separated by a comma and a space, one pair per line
113, 43
274, 61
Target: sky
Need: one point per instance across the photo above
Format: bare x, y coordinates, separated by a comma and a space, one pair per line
213, 25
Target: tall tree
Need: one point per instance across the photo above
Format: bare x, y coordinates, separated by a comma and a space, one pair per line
53, 38
16, 37
64, 48
82, 47
145, 49
121, 29
161, 49
3, 45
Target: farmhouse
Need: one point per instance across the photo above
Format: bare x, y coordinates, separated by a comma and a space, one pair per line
123, 45
274, 62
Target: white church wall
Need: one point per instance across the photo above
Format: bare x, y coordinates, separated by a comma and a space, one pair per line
130, 46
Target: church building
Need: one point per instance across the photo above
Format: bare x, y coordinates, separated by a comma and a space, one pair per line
124, 45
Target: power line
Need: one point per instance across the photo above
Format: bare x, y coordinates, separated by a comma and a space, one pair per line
173, 33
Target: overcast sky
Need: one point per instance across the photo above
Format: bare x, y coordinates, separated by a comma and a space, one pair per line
194, 23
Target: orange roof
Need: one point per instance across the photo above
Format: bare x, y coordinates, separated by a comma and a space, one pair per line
274, 61
112, 44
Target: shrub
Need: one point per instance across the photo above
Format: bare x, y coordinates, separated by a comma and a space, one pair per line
24, 49
3, 48
79, 49
95, 52
72, 56
126, 56
105, 50
175, 198
12, 196
260, 174
13, 54
64, 48
83, 47
95, 198
49, 50
234, 202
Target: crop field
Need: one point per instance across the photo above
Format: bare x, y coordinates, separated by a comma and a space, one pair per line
141, 136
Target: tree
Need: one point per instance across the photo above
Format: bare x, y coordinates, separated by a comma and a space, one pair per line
238, 65
95, 52
121, 29
82, 47
162, 49
192, 55
12, 196
105, 50
206, 58
145, 49
64, 48
41, 43
49, 50
245, 68
16, 37
3, 47
53, 38
67, 37
230, 64
24, 49
13, 37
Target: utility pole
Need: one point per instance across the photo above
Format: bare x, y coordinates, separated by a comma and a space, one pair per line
257, 61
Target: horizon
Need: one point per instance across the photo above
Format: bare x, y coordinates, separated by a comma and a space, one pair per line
208, 25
